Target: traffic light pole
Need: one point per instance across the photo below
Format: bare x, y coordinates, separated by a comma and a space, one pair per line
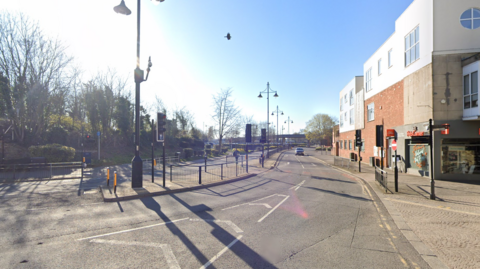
153, 145
163, 164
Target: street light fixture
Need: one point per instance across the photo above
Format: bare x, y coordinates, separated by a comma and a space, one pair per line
137, 173
268, 91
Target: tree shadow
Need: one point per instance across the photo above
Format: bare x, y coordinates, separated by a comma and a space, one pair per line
340, 194
332, 179
248, 255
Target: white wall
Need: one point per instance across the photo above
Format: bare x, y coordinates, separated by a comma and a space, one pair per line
347, 107
419, 13
449, 35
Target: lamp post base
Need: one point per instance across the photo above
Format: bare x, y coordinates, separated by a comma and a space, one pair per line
137, 173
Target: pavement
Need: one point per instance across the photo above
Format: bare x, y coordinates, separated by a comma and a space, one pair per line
150, 188
445, 231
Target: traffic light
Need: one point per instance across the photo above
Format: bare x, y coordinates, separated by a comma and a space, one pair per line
264, 136
358, 138
161, 122
379, 136
89, 139
248, 133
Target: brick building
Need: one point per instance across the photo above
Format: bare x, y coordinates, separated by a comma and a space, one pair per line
427, 69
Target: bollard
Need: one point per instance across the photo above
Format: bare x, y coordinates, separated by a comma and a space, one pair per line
226, 161
221, 171
236, 169
115, 183
108, 176
50, 171
200, 175
154, 162
171, 175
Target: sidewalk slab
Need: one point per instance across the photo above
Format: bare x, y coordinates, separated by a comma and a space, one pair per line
444, 231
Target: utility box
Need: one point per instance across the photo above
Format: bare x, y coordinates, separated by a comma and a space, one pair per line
88, 157
372, 161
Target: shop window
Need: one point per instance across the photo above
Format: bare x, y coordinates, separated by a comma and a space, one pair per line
460, 156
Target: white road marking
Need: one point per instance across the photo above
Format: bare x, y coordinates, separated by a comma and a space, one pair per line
264, 204
250, 202
134, 229
221, 252
228, 222
314, 164
298, 186
273, 209
167, 251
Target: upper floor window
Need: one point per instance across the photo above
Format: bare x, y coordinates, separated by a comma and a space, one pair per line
351, 98
390, 63
380, 66
370, 112
345, 98
341, 103
352, 117
341, 120
470, 90
412, 46
349, 144
470, 19
368, 80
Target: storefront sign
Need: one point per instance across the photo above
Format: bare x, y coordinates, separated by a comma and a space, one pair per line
414, 133
390, 132
456, 148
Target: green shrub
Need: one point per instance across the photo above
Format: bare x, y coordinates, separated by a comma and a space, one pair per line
53, 152
188, 152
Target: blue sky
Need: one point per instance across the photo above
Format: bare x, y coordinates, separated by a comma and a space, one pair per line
308, 50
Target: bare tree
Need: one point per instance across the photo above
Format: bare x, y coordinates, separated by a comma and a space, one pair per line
37, 69
226, 114
185, 118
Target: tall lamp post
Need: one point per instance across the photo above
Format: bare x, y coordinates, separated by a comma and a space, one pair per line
268, 91
288, 121
137, 173
276, 112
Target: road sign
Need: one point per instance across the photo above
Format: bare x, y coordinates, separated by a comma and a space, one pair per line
98, 133
394, 145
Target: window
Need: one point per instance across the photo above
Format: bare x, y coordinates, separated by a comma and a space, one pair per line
352, 117
341, 103
345, 117
470, 90
341, 144
370, 112
341, 120
368, 80
470, 19
349, 144
362, 148
380, 66
390, 63
345, 98
412, 46
352, 99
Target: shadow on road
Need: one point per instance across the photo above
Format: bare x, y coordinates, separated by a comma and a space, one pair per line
249, 256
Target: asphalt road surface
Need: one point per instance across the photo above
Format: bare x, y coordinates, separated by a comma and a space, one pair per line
300, 215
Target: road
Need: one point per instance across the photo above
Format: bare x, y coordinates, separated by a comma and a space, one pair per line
300, 215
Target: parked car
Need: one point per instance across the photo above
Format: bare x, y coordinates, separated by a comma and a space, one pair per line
299, 151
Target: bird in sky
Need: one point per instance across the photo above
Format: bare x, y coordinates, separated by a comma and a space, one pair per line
228, 36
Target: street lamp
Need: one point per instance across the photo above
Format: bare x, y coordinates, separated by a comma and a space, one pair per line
277, 120
288, 121
267, 91
137, 173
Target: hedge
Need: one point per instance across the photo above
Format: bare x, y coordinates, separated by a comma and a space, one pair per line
53, 153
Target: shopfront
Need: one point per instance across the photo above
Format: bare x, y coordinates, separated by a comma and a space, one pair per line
461, 156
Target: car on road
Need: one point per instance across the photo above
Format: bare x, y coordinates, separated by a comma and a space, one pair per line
299, 151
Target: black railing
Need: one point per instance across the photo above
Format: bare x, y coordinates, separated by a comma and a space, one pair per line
42, 171
382, 178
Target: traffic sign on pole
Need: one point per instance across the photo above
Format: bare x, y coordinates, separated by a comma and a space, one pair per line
394, 145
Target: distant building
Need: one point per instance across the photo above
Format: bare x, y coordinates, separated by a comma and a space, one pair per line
427, 69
